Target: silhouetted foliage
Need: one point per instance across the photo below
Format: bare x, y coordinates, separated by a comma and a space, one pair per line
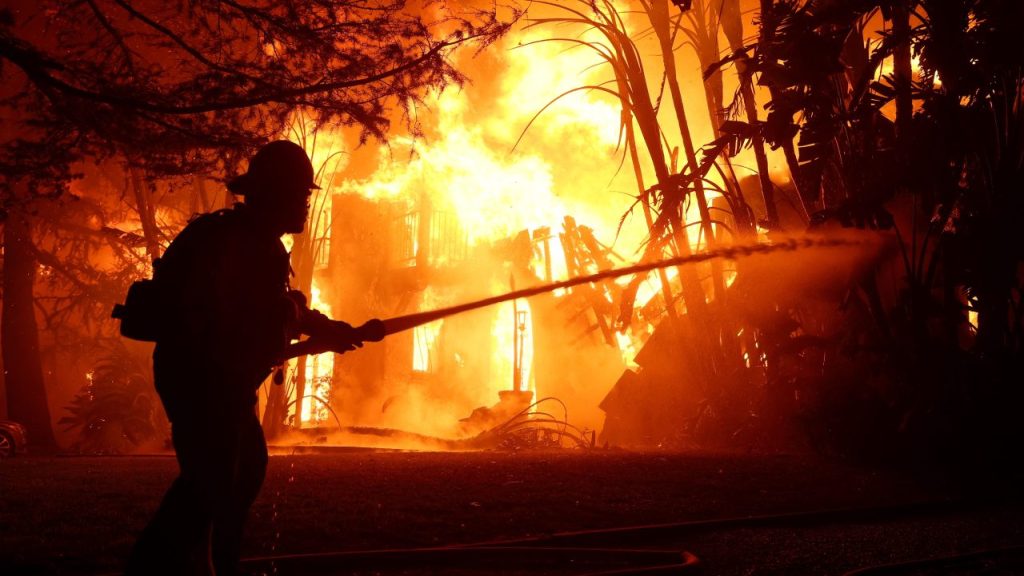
117, 411
942, 380
919, 363
175, 86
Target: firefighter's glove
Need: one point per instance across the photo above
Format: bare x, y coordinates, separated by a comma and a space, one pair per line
372, 331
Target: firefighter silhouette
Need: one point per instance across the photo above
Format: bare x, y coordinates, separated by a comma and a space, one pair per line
227, 317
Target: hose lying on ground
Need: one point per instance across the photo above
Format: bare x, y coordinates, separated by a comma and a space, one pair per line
489, 560
612, 551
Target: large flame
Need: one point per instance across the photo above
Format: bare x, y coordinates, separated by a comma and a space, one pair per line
475, 166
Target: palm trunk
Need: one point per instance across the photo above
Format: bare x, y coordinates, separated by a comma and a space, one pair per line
708, 52
634, 158
660, 21
718, 361
902, 77
671, 208
732, 25
26, 389
671, 219
793, 163
760, 156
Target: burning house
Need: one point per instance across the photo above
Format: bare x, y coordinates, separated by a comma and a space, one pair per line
458, 376
471, 209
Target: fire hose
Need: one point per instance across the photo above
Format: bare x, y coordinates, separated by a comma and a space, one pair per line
342, 337
622, 550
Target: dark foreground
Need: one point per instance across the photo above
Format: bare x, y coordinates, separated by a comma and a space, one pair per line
78, 515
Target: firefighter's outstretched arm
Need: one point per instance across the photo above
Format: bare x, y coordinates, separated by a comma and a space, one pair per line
326, 335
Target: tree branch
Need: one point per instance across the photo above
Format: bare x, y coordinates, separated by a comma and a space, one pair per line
35, 65
47, 259
117, 36
199, 56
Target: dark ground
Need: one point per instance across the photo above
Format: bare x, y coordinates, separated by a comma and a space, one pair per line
79, 515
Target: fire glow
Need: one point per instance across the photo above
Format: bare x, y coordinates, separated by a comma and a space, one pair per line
475, 183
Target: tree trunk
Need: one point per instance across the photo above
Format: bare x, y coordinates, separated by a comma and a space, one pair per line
3, 389
147, 215
201, 203
26, 389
